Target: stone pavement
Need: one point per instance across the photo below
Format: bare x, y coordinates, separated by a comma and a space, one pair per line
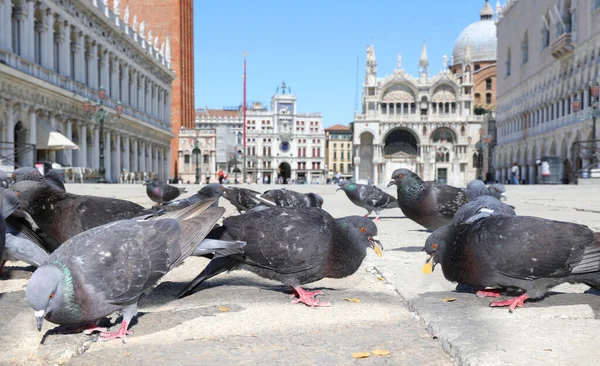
402, 311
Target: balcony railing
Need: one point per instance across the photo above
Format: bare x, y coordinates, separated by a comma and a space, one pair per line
50, 76
562, 46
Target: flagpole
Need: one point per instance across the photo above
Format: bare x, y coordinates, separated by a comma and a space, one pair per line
244, 116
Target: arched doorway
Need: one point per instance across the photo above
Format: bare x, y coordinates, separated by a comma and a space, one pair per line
365, 169
401, 142
284, 171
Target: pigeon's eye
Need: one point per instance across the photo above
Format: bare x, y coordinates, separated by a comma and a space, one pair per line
433, 246
400, 176
51, 296
363, 229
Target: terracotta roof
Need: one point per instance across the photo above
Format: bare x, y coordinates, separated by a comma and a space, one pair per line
338, 128
203, 112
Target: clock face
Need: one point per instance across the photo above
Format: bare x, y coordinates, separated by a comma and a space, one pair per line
284, 146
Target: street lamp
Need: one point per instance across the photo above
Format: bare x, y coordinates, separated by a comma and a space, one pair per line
196, 153
100, 116
483, 143
592, 113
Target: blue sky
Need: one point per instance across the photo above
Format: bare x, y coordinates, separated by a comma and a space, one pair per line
313, 46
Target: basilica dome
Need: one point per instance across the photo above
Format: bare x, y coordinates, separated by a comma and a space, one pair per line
480, 37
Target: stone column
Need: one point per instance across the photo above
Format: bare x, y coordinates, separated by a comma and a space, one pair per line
125, 84
143, 157
5, 25
65, 50
107, 157
29, 31
52, 154
93, 65
79, 57
32, 138
83, 145
104, 57
149, 162
133, 89
96, 148
69, 135
135, 156
159, 105
126, 159
115, 91
586, 99
142, 94
148, 105
118, 156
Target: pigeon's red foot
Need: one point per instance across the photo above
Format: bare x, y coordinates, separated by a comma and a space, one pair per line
512, 303
367, 215
488, 293
93, 329
308, 297
121, 333
376, 219
2, 273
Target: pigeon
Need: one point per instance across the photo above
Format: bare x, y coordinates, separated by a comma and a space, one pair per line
527, 253
56, 179
288, 198
242, 199
108, 268
476, 188
480, 207
368, 197
161, 192
213, 190
294, 246
27, 173
61, 215
3, 179
497, 190
429, 204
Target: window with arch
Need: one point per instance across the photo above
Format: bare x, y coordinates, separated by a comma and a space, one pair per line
424, 130
475, 160
477, 98
442, 156
442, 135
546, 30
477, 67
488, 98
525, 49
507, 63
488, 84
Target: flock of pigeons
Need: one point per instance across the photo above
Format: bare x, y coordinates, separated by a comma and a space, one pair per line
98, 255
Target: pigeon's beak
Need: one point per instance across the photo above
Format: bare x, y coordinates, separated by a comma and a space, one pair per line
391, 183
503, 195
428, 267
376, 245
337, 189
39, 318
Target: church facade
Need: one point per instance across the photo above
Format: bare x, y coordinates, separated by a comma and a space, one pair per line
425, 123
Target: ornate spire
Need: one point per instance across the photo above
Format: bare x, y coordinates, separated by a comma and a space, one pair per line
168, 48
498, 10
487, 12
399, 62
371, 54
468, 55
424, 60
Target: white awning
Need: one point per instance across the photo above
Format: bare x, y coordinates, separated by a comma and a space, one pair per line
48, 139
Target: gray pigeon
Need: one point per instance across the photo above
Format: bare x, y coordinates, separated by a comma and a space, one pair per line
55, 178
20, 248
3, 179
293, 246
27, 173
498, 191
526, 253
289, 198
368, 197
213, 190
482, 206
476, 188
161, 192
242, 199
429, 204
108, 268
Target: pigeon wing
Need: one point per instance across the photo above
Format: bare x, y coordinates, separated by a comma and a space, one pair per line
375, 197
531, 248
448, 199
121, 260
283, 240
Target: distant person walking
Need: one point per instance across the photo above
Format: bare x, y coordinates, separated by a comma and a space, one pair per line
221, 176
207, 177
515, 174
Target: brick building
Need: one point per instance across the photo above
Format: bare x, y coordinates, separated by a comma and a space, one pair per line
173, 17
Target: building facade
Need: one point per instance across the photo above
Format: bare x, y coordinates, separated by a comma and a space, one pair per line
549, 55
55, 55
176, 19
338, 151
428, 124
197, 154
283, 144
228, 124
